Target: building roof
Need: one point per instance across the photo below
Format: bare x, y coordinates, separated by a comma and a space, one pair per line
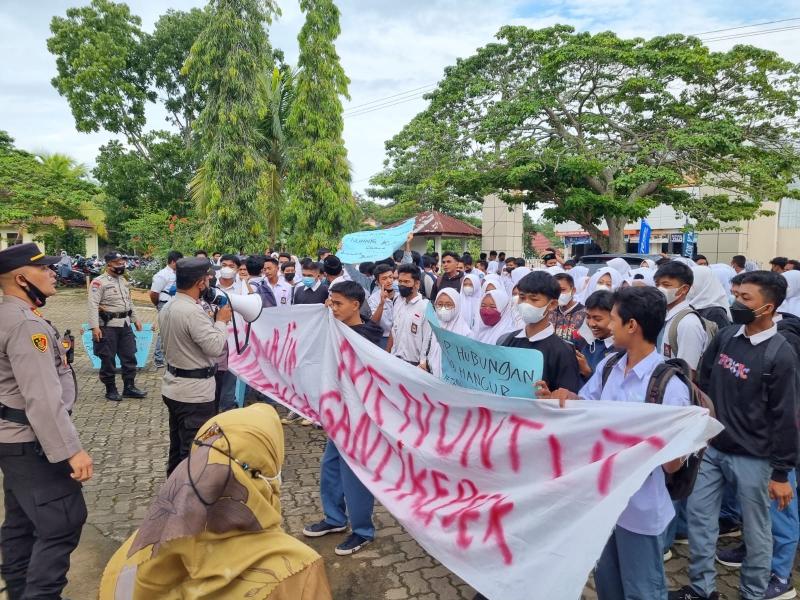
435, 223
540, 242
80, 223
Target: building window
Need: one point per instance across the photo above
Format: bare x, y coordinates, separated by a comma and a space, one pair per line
789, 214
13, 239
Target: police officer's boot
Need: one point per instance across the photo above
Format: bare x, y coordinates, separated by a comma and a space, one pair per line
131, 391
112, 393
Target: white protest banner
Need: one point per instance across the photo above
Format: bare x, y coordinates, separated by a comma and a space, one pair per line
517, 497
477, 366
365, 246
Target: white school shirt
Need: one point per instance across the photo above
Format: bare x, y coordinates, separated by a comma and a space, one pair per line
374, 301
411, 332
692, 338
283, 292
162, 282
650, 509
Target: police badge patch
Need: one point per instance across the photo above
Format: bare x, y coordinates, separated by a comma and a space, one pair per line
39, 342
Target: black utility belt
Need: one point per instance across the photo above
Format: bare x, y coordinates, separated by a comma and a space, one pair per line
204, 373
15, 415
107, 316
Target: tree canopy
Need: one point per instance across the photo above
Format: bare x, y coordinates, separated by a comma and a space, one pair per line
596, 128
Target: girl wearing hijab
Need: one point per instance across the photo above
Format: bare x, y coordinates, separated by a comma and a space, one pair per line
494, 319
708, 297
448, 312
492, 282
215, 524
724, 274
64, 265
621, 266
470, 298
494, 266
792, 303
643, 277
648, 263
580, 275
607, 279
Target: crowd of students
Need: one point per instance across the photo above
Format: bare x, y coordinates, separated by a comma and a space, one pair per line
735, 330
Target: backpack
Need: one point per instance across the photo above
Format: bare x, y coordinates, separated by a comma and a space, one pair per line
267, 296
710, 327
680, 483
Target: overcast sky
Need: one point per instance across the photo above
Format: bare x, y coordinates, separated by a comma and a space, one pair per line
387, 48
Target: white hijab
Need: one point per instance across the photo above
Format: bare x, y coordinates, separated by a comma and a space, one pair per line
518, 274
687, 261
489, 335
792, 303
724, 274
580, 275
616, 282
621, 266
495, 279
707, 291
470, 304
455, 325
651, 264
646, 276
492, 269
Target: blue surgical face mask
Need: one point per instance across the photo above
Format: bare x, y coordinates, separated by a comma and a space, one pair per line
309, 281
731, 299
395, 286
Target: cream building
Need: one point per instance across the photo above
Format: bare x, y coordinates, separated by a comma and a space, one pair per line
11, 234
502, 227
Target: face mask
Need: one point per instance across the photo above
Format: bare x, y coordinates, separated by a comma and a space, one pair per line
490, 316
742, 315
514, 300
602, 288
405, 290
671, 294
468, 290
564, 299
288, 276
309, 281
35, 294
395, 286
731, 299
445, 315
117, 270
227, 273
531, 314
268, 479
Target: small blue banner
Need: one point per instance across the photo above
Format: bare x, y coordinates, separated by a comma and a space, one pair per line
644, 237
144, 339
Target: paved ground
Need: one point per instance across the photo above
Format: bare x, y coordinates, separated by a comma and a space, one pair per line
128, 442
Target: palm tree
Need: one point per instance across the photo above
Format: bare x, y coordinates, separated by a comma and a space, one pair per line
64, 165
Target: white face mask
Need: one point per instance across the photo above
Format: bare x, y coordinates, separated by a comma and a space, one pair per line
268, 479
445, 315
227, 273
602, 288
468, 290
514, 300
671, 294
565, 299
531, 314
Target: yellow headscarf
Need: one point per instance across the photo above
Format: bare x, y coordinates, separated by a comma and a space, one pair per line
214, 530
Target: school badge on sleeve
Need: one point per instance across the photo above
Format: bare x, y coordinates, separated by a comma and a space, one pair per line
39, 342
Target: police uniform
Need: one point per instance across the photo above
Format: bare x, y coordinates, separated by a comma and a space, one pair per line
191, 344
111, 309
44, 506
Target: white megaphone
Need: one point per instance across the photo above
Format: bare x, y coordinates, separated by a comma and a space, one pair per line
249, 307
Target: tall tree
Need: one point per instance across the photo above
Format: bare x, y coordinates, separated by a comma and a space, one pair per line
601, 128
322, 205
228, 58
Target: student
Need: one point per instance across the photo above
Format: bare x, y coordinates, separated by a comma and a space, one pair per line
410, 336
674, 280
758, 447
311, 289
494, 319
631, 566
339, 487
280, 288
568, 265
288, 272
595, 341
701, 260
550, 259
708, 297
382, 300
538, 296
482, 267
570, 314
779, 264
451, 277
739, 263
467, 261
448, 313
470, 298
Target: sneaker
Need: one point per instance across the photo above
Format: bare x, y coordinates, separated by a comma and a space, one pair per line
305, 423
322, 528
351, 545
681, 538
779, 589
667, 554
733, 557
728, 528
687, 593
160, 365
292, 416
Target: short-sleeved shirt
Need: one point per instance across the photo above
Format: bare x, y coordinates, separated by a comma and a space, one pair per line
560, 368
112, 293
411, 332
692, 338
650, 509
374, 301
283, 292
162, 282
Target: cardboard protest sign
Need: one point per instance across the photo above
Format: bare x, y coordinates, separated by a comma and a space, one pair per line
477, 366
499, 489
144, 339
366, 246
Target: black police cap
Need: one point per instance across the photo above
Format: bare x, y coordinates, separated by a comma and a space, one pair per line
22, 255
114, 255
193, 267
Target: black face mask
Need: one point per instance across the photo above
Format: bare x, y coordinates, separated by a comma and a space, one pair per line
406, 290
288, 276
743, 315
35, 294
208, 293
117, 270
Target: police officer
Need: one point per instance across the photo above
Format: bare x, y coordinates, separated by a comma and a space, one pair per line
191, 344
161, 291
111, 312
41, 457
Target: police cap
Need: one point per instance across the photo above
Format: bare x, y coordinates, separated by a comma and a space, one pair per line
22, 255
114, 255
193, 268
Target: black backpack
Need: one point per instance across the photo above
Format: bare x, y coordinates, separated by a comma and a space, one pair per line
680, 483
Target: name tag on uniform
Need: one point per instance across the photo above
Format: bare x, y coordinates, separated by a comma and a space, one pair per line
414, 328
667, 351
283, 300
